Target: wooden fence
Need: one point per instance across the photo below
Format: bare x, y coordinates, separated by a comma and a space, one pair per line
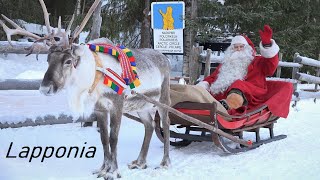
20, 48
200, 59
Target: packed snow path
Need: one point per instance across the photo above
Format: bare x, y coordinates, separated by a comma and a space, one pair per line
295, 157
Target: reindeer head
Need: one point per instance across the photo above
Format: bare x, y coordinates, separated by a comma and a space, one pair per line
63, 55
62, 62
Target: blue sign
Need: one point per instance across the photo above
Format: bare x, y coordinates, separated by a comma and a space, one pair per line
167, 15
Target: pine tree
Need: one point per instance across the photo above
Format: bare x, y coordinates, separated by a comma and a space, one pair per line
296, 23
122, 21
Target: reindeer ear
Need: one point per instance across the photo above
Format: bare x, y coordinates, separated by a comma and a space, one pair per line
77, 50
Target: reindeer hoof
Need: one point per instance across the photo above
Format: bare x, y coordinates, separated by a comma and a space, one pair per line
165, 163
107, 172
112, 176
135, 165
108, 175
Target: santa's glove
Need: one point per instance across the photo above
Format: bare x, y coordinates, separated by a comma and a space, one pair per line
204, 84
266, 36
234, 101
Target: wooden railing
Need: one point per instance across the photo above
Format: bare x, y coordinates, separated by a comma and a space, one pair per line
200, 57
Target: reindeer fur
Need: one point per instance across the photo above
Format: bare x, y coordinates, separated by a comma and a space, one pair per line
153, 70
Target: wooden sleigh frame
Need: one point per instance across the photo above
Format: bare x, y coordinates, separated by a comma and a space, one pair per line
206, 113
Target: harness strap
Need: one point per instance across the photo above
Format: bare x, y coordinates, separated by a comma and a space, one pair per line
99, 74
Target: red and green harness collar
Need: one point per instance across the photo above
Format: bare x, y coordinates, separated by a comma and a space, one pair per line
129, 75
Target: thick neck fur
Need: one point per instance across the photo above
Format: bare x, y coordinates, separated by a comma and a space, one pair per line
234, 67
82, 102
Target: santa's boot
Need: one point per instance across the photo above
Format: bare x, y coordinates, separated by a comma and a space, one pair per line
233, 101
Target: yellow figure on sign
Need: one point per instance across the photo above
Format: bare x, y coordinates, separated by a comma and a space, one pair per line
167, 19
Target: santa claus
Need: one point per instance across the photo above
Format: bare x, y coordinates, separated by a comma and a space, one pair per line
239, 83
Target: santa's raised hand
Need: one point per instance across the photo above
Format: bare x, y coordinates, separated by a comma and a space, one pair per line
266, 36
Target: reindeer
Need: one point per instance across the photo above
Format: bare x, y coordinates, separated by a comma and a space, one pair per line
75, 68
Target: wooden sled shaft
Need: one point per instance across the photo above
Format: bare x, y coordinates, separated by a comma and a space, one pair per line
194, 120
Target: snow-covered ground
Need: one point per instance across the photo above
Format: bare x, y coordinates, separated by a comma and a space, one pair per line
296, 157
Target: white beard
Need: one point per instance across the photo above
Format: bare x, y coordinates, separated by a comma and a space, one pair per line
234, 67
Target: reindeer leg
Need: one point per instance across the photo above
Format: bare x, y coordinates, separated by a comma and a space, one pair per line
163, 113
115, 122
148, 123
165, 163
102, 118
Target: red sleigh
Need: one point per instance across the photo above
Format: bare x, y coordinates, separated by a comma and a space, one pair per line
194, 122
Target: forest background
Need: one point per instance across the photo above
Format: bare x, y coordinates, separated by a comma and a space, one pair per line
295, 23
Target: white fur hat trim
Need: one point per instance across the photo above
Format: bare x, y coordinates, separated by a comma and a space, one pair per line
239, 40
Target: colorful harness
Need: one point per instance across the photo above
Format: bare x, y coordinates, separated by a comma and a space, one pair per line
128, 65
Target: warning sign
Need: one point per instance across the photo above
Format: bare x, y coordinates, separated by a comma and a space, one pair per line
169, 41
168, 22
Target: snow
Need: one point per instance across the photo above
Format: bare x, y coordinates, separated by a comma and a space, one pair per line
309, 78
215, 57
289, 64
34, 28
104, 2
282, 79
296, 157
15, 66
309, 61
16, 106
221, 1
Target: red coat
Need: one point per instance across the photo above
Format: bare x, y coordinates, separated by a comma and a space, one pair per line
277, 95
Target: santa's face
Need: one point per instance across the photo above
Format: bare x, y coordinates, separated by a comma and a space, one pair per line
238, 52
238, 47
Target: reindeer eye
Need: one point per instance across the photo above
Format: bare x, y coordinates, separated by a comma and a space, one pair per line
56, 38
68, 62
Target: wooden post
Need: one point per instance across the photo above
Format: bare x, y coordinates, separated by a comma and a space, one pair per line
295, 70
279, 67
194, 64
189, 35
208, 63
317, 74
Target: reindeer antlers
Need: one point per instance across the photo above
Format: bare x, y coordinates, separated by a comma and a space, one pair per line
51, 37
16, 31
46, 16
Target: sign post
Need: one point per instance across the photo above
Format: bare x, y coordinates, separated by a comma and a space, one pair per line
167, 22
